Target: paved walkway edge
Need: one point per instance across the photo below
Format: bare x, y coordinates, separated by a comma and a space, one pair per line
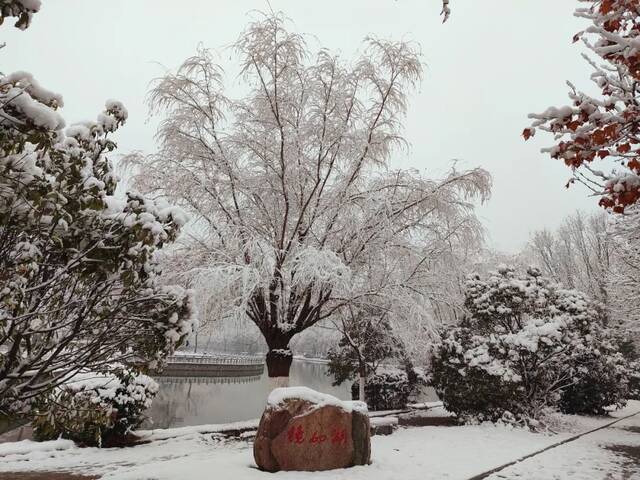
484, 475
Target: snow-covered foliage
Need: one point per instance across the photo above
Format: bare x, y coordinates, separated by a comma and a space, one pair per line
598, 254
23, 10
634, 381
624, 277
388, 389
366, 341
409, 292
528, 344
95, 408
289, 186
78, 281
605, 126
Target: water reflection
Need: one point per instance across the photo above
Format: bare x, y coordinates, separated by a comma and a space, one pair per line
195, 401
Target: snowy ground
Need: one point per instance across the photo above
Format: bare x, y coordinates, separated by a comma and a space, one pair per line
413, 453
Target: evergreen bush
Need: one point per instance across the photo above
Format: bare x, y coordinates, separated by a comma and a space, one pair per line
528, 345
387, 390
96, 409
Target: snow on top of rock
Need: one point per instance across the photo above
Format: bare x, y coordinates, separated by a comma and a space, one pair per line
357, 406
281, 395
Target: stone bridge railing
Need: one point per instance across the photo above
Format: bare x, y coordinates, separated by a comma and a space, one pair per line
184, 364
216, 358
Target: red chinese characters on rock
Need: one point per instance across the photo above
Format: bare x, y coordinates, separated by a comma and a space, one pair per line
339, 436
296, 434
299, 435
316, 438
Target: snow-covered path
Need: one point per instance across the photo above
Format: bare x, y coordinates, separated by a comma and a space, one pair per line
409, 454
612, 453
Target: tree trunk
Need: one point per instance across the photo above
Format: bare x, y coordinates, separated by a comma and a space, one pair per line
279, 362
362, 379
279, 358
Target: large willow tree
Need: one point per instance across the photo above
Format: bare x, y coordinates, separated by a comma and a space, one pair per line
290, 186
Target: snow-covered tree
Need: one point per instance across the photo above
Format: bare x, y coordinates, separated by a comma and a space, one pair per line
623, 283
527, 345
594, 128
290, 185
367, 340
77, 271
597, 254
577, 255
400, 298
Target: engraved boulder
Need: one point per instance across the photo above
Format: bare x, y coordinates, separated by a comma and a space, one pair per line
302, 429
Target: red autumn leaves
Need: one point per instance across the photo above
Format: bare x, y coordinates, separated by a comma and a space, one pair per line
606, 127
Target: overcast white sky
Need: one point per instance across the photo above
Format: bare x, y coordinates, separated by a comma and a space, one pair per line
490, 65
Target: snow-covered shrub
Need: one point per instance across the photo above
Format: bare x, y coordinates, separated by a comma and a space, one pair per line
367, 340
527, 345
469, 392
79, 281
602, 379
95, 408
634, 381
387, 390
628, 343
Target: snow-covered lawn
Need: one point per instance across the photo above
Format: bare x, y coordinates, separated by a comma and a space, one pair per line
410, 453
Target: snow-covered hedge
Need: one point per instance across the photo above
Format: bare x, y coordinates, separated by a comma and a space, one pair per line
527, 345
96, 408
387, 390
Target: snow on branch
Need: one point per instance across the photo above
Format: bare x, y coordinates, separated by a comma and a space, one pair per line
602, 129
79, 287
